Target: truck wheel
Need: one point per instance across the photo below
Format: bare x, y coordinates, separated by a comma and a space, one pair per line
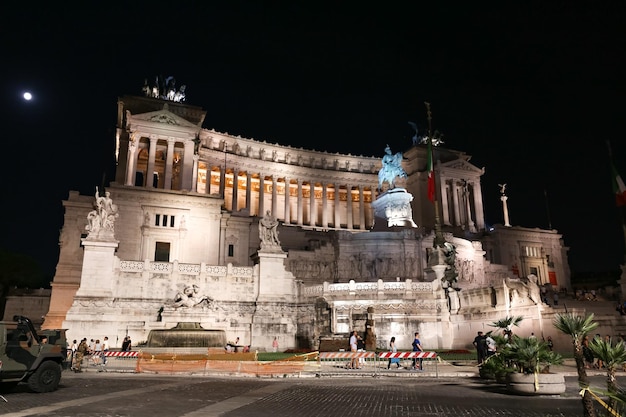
46, 378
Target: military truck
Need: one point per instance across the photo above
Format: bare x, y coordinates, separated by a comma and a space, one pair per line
30, 357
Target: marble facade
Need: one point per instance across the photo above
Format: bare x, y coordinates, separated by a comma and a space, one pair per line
189, 201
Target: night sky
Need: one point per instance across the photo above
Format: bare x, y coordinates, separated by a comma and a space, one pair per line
532, 91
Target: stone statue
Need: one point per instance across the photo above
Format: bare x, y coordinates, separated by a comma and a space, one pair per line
268, 231
450, 274
103, 217
190, 297
392, 168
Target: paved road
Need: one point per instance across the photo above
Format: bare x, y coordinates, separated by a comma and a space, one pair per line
142, 395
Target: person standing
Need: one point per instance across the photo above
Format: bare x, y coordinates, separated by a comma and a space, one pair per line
97, 353
353, 348
480, 343
105, 349
125, 344
81, 351
72, 352
275, 344
417, 347
393, 349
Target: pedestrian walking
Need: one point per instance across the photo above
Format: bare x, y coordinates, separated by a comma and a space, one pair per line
393, 349
354, 363
105, 349
417, 347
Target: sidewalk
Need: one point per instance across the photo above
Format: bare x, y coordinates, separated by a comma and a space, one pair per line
316, 369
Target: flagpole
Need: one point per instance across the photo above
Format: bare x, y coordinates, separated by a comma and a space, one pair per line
439, 239
620, 209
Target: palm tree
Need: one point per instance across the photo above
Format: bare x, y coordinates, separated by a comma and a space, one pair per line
577, 327
531, 356
506, 323
612, 355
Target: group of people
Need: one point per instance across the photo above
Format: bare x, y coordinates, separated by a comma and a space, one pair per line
417, 363
357, 344
94, 349
485, 346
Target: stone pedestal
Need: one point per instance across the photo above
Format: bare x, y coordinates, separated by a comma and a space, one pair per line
98, 275
393, 208
275, 283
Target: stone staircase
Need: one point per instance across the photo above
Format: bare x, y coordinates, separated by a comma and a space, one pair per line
609, 320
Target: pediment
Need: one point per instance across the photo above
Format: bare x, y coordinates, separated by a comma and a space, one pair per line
461, 165
164, 117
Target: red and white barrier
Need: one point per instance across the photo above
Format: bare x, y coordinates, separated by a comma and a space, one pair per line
407, 355
347, 355
122, 354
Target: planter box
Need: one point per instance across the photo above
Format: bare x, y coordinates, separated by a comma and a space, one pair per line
524, 384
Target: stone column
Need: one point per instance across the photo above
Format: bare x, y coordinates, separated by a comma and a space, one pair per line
223, 181
312, 205
235, 197
169, 160
187, 168
337, 221
261, 194
300, 202
455, 199
478, 204
324, 206
249, 192
287, 206
349, 206
131, 162
470, 223
274, 196
194, 177
151, 156
444, 201
505, 210
361, 208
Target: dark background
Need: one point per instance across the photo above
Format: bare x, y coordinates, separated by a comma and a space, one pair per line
532, 91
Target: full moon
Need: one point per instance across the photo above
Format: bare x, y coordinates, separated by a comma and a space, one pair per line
27, 96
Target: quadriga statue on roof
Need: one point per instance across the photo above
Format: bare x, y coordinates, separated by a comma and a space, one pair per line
392, 169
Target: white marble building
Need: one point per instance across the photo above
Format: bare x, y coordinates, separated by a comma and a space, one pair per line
188, 204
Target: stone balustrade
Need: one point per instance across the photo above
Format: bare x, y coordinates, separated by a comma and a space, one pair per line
185, 268
368, 288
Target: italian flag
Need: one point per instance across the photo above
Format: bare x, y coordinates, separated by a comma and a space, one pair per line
618, 188
431, 173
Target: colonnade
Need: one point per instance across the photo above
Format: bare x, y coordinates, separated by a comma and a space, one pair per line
292, 200
462, 203
167, 156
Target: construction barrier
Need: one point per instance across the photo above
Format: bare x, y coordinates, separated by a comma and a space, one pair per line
247, 363
425, 358
129, 354
230, 362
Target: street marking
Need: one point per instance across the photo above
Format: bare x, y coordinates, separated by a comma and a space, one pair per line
83, 401
233, 403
